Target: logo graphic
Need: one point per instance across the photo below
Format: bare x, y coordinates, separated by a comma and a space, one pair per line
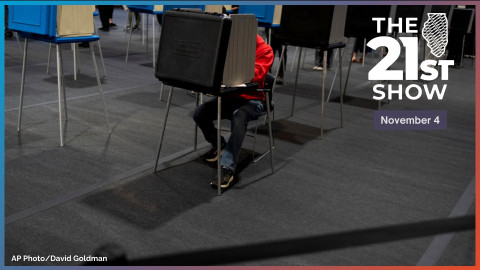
435, 32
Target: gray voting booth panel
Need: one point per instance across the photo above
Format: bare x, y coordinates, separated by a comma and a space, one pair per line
410, 12
359, 21
312, 26
462, 19
240, 61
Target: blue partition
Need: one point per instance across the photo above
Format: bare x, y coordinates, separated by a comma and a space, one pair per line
40, 20
264, 13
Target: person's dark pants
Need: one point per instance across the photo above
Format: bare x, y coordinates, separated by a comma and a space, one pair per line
319, 57
240, 112
106, 12
359, 45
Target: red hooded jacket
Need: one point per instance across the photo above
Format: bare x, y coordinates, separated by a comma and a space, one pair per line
263, 61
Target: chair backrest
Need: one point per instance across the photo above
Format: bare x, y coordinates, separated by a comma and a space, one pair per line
269, 80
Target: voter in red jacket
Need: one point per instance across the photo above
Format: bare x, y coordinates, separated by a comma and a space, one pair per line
240, 108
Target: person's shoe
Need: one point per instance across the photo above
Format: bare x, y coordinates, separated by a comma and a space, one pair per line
112, 25
318, 68
104, 29
225, 180
354, 59
360, 60
212, 155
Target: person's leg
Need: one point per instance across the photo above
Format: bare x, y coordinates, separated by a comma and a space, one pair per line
110, 16
240, 118
204, 115
358, 47
130, 18
104, 16
137, 20
318, 60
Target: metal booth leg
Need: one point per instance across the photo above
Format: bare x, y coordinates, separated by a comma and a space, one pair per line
364, 51
146, 48
22, 84
59, 82
296, 80
348, 72
293, 60
341, 94
100, 49
323, 90
63, 84
161, 91
169, 100
100, 87
49, 56
128, 45
219, 131
153, 39
74, 49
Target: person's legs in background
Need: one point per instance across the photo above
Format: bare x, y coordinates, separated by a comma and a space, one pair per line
105, 14
319, 59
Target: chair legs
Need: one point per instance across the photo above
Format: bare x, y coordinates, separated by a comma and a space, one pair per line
270, 136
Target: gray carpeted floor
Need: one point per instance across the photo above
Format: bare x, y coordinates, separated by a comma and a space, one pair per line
99, 188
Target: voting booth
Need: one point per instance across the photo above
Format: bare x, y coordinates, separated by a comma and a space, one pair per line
359, 21
208, 53
410, 12
318, 27
53, 21
55, 25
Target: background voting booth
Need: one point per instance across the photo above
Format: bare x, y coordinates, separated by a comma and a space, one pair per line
145, 9
196, 53
319, 27
158, 10
267, 16
462, 23
359, 25
57, 25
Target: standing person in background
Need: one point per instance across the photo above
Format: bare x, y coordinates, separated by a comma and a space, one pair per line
359, 49
8, 32
319, 59
130, 20
106, 15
